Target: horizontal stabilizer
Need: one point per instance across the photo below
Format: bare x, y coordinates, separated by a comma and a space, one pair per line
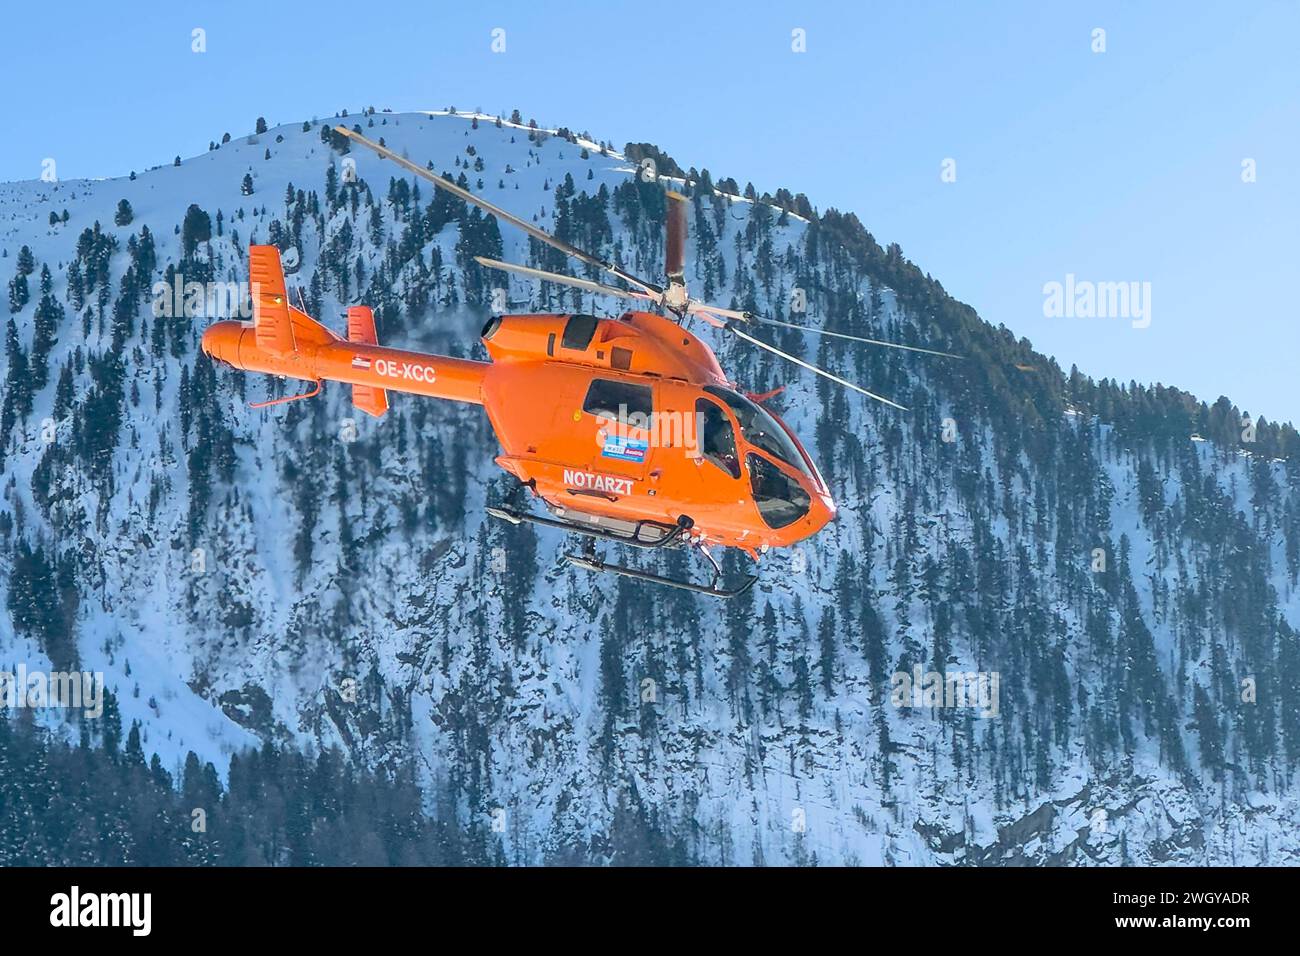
371, 399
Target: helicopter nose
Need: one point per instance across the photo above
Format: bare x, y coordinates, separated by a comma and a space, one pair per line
220, 341
822, 511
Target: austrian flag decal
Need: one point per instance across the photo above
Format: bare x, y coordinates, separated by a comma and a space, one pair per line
361, 362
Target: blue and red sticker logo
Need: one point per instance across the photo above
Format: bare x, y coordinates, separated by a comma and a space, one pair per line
625, 449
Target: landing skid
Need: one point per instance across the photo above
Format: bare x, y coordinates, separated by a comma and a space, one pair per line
711, 589
667, 535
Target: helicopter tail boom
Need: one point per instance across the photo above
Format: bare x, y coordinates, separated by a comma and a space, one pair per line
282, 340
372, 370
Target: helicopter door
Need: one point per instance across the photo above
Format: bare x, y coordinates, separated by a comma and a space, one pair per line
717, 438
706, 461
623, 425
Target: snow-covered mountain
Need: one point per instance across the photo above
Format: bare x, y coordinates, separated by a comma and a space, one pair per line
1122, 562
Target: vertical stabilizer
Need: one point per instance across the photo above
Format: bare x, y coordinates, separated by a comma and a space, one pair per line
270, 301
371, 399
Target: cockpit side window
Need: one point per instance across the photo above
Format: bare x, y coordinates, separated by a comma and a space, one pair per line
717, 438
760, 429
608, 398
780, 500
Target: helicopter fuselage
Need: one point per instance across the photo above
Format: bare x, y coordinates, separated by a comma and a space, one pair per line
631, 418
614, 423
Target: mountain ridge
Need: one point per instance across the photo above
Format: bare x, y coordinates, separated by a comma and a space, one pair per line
514, 686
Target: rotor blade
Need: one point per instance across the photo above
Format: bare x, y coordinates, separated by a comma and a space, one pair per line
675, 238
739, 316
537, 233
852, 338
577, 283
714, 315
730, 327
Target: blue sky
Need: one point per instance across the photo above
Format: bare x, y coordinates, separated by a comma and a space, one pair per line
1122, 166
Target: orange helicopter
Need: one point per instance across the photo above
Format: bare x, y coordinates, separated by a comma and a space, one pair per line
626, 428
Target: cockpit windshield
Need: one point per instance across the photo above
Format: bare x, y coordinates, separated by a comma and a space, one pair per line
780, 500
760, 429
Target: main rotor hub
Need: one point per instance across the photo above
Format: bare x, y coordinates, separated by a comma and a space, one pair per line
675, 298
